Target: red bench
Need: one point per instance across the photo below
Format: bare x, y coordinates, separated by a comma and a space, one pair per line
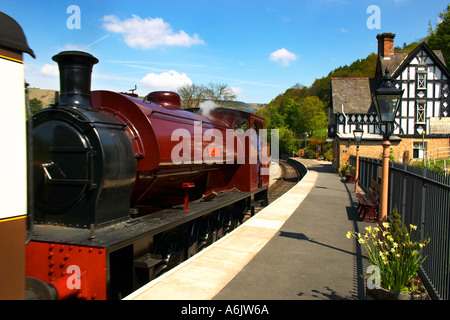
368, 207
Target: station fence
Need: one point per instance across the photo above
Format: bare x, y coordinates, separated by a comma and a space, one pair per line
423, 199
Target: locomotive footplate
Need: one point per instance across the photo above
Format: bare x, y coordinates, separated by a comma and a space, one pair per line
114, 235
129, 248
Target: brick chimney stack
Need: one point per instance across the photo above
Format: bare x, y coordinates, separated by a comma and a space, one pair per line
386, 45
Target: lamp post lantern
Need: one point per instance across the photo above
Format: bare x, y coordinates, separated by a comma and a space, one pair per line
387, 100
358, 134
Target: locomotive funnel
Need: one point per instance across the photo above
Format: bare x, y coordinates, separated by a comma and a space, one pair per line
75, 68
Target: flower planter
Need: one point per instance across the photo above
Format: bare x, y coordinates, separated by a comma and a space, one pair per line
384, 294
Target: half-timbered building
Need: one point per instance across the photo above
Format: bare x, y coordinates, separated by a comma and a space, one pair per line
423, 119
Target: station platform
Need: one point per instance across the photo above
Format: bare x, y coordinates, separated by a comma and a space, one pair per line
294, 249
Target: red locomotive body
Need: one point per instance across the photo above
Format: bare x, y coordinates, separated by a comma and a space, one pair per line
151, 127
111, 173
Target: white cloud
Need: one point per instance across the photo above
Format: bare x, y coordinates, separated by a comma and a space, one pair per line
283, 56
149, 33
50, 70
238, 91
165, 81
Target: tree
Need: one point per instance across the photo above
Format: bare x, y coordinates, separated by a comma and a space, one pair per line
289, 109
287, 141
310, 116
409, 47
220, 93
439, 39
274, 119
192, 95
36, 105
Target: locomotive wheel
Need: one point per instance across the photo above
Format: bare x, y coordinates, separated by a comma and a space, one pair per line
207, 232
229, 220
171, 249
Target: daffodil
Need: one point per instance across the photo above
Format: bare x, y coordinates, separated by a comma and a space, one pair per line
391, 249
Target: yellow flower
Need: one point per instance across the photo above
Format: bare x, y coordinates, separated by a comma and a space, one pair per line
385, 225
412, 227
349, 235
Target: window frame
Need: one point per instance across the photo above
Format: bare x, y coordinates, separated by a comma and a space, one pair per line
421, 112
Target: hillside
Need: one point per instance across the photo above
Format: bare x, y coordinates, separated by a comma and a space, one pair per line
46, 96
248, 107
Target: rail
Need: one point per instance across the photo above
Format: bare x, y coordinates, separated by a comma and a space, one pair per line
423, 199
292, 172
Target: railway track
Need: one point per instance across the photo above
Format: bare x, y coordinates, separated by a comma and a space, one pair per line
289, 178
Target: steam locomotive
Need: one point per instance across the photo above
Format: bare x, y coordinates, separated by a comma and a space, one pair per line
125, 188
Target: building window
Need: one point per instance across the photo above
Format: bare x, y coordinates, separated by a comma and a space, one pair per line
419, 149
421, 112
421, 79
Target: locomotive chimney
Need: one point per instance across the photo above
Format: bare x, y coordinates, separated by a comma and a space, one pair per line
75, 68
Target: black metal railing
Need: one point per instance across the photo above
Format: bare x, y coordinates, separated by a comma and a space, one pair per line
423, 199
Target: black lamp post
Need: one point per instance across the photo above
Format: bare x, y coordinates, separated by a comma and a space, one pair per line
358, 134
387, 100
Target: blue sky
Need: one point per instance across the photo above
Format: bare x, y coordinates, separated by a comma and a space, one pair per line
259, 48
